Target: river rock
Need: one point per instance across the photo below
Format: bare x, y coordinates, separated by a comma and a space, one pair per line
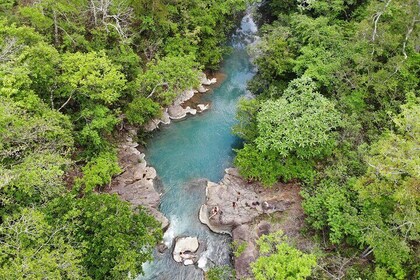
205, 81
202, 89
234, 202
203, 107
245, 234
191, 111
184, 96
177, 112
152, 125
162, 247
136, 183
165, 117
185, 249
245, 209
188, 262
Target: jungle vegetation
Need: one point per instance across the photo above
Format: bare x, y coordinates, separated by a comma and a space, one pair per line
71, 74
337, 109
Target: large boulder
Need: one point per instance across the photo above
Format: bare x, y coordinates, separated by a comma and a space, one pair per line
203, 107
202, 89
246, 210
205, 81
177, 112
235, 201
185, 250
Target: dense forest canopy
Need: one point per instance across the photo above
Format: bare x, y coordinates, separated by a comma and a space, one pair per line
336, 108
71, 74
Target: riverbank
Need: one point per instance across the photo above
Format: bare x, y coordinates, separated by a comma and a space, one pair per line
137, 183
179, 109
198, 147
246, 210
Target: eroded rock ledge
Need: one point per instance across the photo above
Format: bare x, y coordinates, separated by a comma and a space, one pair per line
177, 111
136, 183
247, 210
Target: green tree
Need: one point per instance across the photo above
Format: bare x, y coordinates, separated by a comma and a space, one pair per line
116, 239
293, 131
24, 132
96, 123
42, 62
141, 110
246, 114
98, 171
278, 260
389, 193
168, 77
33, 249
34, 181
90, 77
299, 123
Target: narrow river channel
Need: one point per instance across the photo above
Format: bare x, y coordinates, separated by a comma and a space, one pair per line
195, 148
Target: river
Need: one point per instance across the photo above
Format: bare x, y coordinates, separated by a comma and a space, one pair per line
199, 147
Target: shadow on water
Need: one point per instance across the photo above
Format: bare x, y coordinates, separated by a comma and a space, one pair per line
199, 147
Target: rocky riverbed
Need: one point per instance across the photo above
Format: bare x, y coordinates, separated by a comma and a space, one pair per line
246, 210
136, 184
178, 110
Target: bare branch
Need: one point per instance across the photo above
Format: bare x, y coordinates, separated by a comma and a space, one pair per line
154, 89
9, 48
67, 101
376, 18
409, 31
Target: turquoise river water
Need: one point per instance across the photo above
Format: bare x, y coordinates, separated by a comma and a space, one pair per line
199, 147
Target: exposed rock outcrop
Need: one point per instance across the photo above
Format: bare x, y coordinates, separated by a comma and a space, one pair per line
185, 250
207, 82
246, 211
136, 183
244, 234
203, 107
202, 89
177, 111
234, 202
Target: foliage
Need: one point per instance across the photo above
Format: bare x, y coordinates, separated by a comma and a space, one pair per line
389, 192
220, 273
238, 248
98, 171
116, 240
332, 208
292, 132
361, 195
279, 260
34, 181
33, 249
97, 123
23, 132
91, 76
298, 123
70, 71
167, 78
141, 110
246, 128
